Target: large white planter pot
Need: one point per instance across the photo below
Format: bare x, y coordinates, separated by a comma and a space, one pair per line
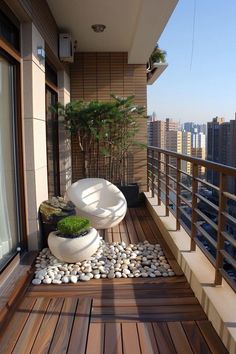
72, 250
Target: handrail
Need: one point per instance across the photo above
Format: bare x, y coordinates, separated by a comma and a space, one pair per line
207, 221
205, 163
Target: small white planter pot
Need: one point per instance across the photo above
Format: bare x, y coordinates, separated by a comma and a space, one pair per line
72, 250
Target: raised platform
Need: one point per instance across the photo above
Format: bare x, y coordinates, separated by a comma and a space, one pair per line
147, 316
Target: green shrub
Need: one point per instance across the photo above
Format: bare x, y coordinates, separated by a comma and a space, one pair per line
73, 225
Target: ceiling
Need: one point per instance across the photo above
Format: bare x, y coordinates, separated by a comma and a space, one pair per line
132, 26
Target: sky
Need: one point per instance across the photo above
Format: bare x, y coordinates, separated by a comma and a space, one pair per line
203, 87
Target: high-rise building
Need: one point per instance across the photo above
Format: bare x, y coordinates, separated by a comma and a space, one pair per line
159, 134
201, 154
198, 140
221, 147
213, 147
186, 150
171, 124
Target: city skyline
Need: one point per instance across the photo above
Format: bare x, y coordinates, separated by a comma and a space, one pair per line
200, 81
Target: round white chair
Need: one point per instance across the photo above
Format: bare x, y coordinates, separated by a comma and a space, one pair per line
98, 200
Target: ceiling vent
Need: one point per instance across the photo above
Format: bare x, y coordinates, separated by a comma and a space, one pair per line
66, 50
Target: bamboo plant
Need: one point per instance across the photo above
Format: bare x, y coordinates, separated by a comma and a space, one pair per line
105, 131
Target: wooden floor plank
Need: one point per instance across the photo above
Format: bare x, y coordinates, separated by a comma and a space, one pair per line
113, 338
108, 235
151, 302
137, 224
163, 338
30, 330
124, 235
45, 334
147, 339
16, 325
79, 333
116, 234
62, 332
195, 338
130, 338
179, 338
96, 339
130, 228
213, 341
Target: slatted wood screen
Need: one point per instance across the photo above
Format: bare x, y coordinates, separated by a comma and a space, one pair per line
94, 76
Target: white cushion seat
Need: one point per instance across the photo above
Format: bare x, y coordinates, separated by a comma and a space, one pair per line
98, 200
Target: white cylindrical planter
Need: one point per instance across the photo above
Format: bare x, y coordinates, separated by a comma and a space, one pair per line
72, 250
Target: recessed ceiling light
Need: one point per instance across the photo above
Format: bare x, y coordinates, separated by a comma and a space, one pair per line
98, 28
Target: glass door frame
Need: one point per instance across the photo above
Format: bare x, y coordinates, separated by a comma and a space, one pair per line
14, 58
56, 162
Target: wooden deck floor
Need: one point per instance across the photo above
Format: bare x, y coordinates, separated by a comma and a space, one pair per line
137, 316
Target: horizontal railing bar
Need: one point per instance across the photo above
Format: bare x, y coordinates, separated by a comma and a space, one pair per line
229, 238
205, 163
189, 204
185, 173
185, 187
185, 227
208, 202
206, 252
228, 258
172, 178
229, 280
205, 234
208, 184
230, 196
172, 166
229, 217
208, 220
171, 210
172, 189
185, 213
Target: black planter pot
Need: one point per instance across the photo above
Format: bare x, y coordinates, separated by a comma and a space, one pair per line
131, 193
49, 225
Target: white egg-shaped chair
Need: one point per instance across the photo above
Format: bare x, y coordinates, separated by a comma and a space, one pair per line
98, 200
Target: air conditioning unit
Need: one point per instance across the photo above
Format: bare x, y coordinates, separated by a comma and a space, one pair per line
66, 50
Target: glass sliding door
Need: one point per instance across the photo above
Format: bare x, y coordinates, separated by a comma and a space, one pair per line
52, 144
9, 222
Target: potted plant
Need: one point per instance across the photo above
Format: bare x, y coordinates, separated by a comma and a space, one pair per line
74, 241
105, 133
117, 149
158, 56
51, 211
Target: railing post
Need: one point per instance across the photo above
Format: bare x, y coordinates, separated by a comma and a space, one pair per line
152, 186
148, 169
178, 202
194, 206
167, 184
221, 226
159, 178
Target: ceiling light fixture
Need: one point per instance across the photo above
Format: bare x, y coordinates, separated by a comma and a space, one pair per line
98, 28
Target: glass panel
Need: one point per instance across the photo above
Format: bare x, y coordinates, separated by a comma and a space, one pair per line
52, 145
8, 215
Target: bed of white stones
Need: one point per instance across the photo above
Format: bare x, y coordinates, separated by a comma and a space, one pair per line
112, 260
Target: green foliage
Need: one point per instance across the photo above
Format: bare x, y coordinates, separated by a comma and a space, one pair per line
73, 225
158, 56
104, 129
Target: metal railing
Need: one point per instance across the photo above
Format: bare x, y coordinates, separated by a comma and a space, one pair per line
206, 210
